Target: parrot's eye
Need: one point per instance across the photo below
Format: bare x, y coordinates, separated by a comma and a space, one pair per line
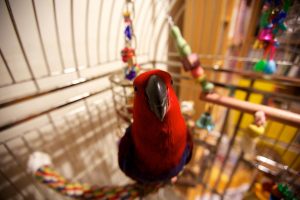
135, 88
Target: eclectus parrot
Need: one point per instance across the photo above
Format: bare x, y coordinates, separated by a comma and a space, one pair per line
157, 145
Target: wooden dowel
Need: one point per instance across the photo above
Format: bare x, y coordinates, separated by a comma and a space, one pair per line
276, 114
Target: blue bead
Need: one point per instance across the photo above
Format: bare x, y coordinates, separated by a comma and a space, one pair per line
128, 32
279, 17
271, 67
282, 14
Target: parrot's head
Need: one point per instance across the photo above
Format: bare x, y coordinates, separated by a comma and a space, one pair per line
154, 93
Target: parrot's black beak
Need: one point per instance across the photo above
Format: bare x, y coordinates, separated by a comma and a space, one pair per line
156, 91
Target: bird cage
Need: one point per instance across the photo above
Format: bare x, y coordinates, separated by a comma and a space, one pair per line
63, 92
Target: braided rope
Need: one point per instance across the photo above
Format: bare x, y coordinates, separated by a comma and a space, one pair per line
51, 178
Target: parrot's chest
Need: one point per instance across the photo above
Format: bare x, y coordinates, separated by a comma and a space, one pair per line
160, 153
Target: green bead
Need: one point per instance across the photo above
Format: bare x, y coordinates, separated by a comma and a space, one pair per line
183, 48
175, 32
264, 19
286, 5
280, 187
207, 87
282, 26
260, 66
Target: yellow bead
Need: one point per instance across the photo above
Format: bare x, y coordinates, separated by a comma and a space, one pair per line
256, 131
200, 79
126, 13
256, 44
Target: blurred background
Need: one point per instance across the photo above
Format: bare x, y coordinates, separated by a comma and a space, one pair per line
62, 92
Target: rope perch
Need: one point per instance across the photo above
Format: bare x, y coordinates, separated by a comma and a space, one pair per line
39, 165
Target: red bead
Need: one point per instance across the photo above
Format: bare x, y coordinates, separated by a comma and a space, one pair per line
197, 72
127, 53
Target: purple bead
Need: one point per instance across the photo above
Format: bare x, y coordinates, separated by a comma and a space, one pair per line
128, 32
130, 74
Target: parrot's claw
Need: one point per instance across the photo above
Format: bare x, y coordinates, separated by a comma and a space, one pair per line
174, 179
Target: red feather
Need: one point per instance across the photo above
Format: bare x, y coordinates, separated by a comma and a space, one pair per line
159, 145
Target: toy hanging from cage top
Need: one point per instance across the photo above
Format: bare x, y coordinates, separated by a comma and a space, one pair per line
190, 61
128, 52
157, 145
271, 24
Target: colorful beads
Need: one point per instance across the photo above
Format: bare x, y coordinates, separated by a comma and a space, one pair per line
190, 61
271, 23
182, 46
128, 32
255, 130
207, 87
131, 72
258, 44
266, 67
201, 79
197, 72
260, 66
265, 35
126, 15
127, 53
270, 68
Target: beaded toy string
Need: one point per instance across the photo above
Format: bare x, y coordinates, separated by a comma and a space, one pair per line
190, 61
128, 52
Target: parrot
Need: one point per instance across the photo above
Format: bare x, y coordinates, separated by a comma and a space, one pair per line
157, 144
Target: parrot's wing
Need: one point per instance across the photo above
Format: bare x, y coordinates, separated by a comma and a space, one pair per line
128, 164
126, 153
127, 157
191, 145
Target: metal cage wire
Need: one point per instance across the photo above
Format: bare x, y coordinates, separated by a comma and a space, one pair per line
56, 60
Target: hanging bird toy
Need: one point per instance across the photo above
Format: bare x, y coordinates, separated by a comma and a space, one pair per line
190, 61
128, 52
271, 24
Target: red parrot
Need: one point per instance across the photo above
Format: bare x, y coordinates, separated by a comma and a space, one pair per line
157, 145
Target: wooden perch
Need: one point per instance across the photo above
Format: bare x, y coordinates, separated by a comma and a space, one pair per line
283, 116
